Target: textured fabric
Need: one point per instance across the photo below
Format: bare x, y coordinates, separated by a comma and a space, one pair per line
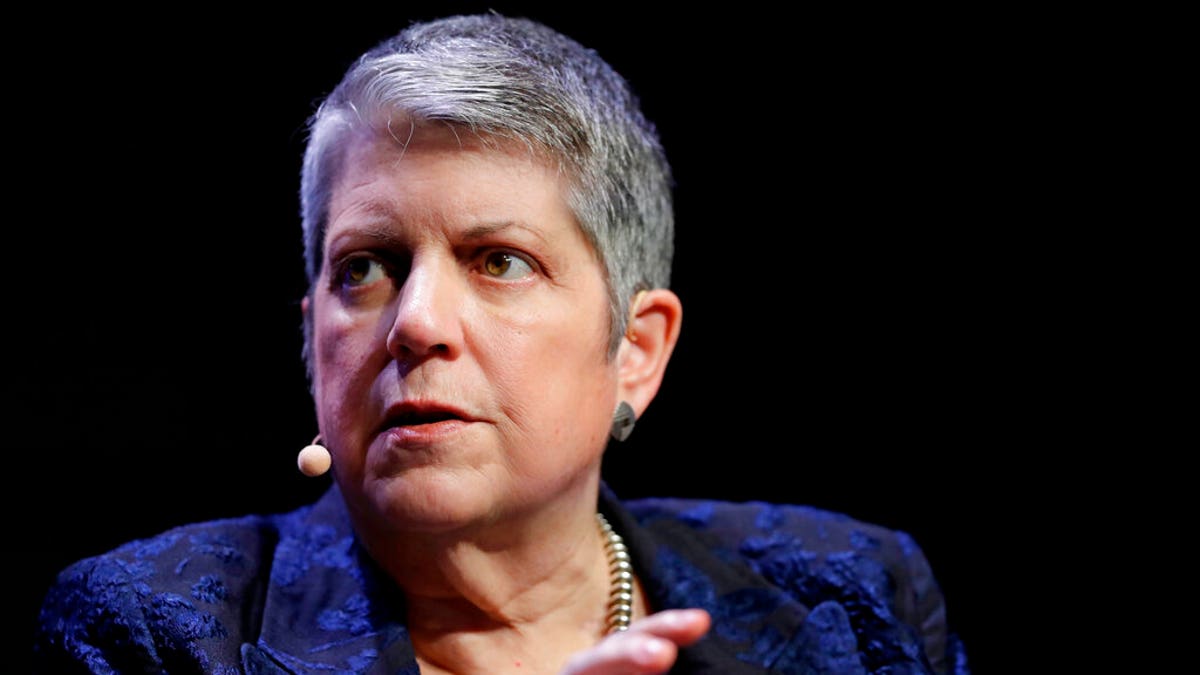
791, 589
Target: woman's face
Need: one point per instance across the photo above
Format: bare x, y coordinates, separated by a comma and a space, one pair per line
460, 330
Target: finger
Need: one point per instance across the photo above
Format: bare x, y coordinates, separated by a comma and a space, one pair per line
651, 645
681, 626
627, 653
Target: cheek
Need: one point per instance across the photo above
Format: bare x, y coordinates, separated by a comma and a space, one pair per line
553, 378
341, 350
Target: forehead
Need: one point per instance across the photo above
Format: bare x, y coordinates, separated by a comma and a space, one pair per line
435, 165
439, 178
447, 185
446, 182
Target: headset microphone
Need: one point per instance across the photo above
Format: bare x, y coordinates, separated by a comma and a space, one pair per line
314, 459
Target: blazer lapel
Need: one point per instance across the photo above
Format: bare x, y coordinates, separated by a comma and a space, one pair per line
328, 607
256, 662
753, 622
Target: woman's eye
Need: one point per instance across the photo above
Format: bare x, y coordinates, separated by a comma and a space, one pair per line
503, 265
362, 271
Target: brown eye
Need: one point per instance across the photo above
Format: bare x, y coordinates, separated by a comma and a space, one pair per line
362, 271
504, 265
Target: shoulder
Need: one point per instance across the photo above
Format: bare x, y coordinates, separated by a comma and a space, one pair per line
182, 555
787, 542
812, 555
754, 526
181, 596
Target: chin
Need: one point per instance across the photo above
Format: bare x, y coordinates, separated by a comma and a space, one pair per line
426, 500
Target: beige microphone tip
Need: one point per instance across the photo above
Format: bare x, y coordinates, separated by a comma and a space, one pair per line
314, 460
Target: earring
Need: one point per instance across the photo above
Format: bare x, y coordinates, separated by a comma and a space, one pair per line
623, 420
314, 459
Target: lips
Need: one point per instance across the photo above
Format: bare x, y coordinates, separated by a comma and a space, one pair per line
419, 413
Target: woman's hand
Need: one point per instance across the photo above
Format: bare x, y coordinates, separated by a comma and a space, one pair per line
649, 646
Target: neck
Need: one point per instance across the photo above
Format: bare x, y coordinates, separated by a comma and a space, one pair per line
526, 603
508, 592
528, 579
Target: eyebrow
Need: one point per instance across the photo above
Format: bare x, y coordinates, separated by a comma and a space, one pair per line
488, 229
384, 212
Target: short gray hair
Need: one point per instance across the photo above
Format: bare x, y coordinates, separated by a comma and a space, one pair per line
511, 79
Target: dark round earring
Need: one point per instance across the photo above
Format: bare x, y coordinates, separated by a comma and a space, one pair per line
623, 420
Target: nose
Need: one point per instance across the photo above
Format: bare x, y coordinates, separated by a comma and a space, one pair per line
428, 312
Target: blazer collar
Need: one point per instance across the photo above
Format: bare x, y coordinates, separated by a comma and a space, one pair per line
328, 606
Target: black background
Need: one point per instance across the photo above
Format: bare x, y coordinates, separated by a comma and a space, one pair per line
844, 255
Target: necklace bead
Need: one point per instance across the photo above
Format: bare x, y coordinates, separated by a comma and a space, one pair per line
620, 568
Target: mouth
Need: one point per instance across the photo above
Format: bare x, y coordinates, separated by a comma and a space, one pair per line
415, 414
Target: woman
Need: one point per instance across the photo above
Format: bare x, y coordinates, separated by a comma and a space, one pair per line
488, 239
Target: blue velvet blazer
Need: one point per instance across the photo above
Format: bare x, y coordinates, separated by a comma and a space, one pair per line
791, 589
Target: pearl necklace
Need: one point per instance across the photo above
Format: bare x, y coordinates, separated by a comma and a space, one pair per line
620, 596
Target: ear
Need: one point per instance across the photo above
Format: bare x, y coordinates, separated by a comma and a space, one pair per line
304, 305
655, 317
